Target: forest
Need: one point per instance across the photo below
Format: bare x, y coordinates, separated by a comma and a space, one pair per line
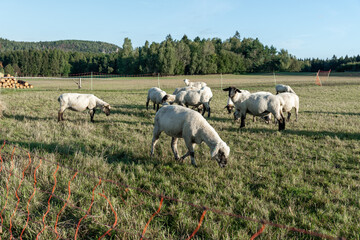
234, 55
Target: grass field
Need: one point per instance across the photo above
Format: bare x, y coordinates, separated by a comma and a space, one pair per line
307, 177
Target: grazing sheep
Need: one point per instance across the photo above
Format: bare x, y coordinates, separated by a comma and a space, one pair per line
80, 102
180, 89
230, 106
155, 95
283, 88
291, 101
194, 84
194, 98
257, 104
180, 122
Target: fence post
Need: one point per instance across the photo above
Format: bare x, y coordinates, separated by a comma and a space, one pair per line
91, 87
159, 80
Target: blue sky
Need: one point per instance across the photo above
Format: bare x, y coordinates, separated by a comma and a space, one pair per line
306, 28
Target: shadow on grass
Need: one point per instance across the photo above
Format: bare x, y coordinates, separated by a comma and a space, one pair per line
308, 133
333, 113
20, 117
66, 153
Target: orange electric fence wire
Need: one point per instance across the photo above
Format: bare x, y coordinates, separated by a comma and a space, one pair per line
147, 224
198, 227
31, 195
88, 211
258, 233
113, 226
48, 208
200, 206
67, 200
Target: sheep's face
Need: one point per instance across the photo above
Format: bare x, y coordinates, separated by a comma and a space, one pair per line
229, 108
236, 115
221, 153
106, 110
164, 99
232, 91
221, 158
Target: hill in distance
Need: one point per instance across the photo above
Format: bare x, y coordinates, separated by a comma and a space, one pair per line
65, 45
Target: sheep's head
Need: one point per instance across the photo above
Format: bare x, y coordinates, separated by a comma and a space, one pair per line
232, 91
106, 109
165, 99
229, 108
236, 115
186, 81
221, 153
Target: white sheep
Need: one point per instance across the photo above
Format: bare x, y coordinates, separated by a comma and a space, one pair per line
194, 84
155, 95
194, 98
80, 102
230, 106
180, 89
291, 101
179, 122
283, 88
257, 104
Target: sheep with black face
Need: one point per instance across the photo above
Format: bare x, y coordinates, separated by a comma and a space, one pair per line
257, 104
180, 122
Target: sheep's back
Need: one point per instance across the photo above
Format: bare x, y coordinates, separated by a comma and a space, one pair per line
76, 101
192, 98
173, 119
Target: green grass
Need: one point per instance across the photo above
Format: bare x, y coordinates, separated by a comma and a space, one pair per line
305, 177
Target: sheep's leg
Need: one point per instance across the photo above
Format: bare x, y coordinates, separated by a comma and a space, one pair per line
288, 117
59, 116
147, 104
157, 108
190, 147
62, 116
154, 106
92, 113
156, 135
296, 114
174, 147
206, 107
242, 124
254, 118
203, 110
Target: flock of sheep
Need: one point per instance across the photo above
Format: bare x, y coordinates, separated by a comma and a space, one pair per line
178, 121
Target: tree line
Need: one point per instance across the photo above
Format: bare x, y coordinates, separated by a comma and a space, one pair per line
170, 57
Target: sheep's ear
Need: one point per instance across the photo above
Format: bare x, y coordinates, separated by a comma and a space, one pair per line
227, 89
237, 90
165, 98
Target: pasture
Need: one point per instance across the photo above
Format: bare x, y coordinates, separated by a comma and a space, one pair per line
306, 177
